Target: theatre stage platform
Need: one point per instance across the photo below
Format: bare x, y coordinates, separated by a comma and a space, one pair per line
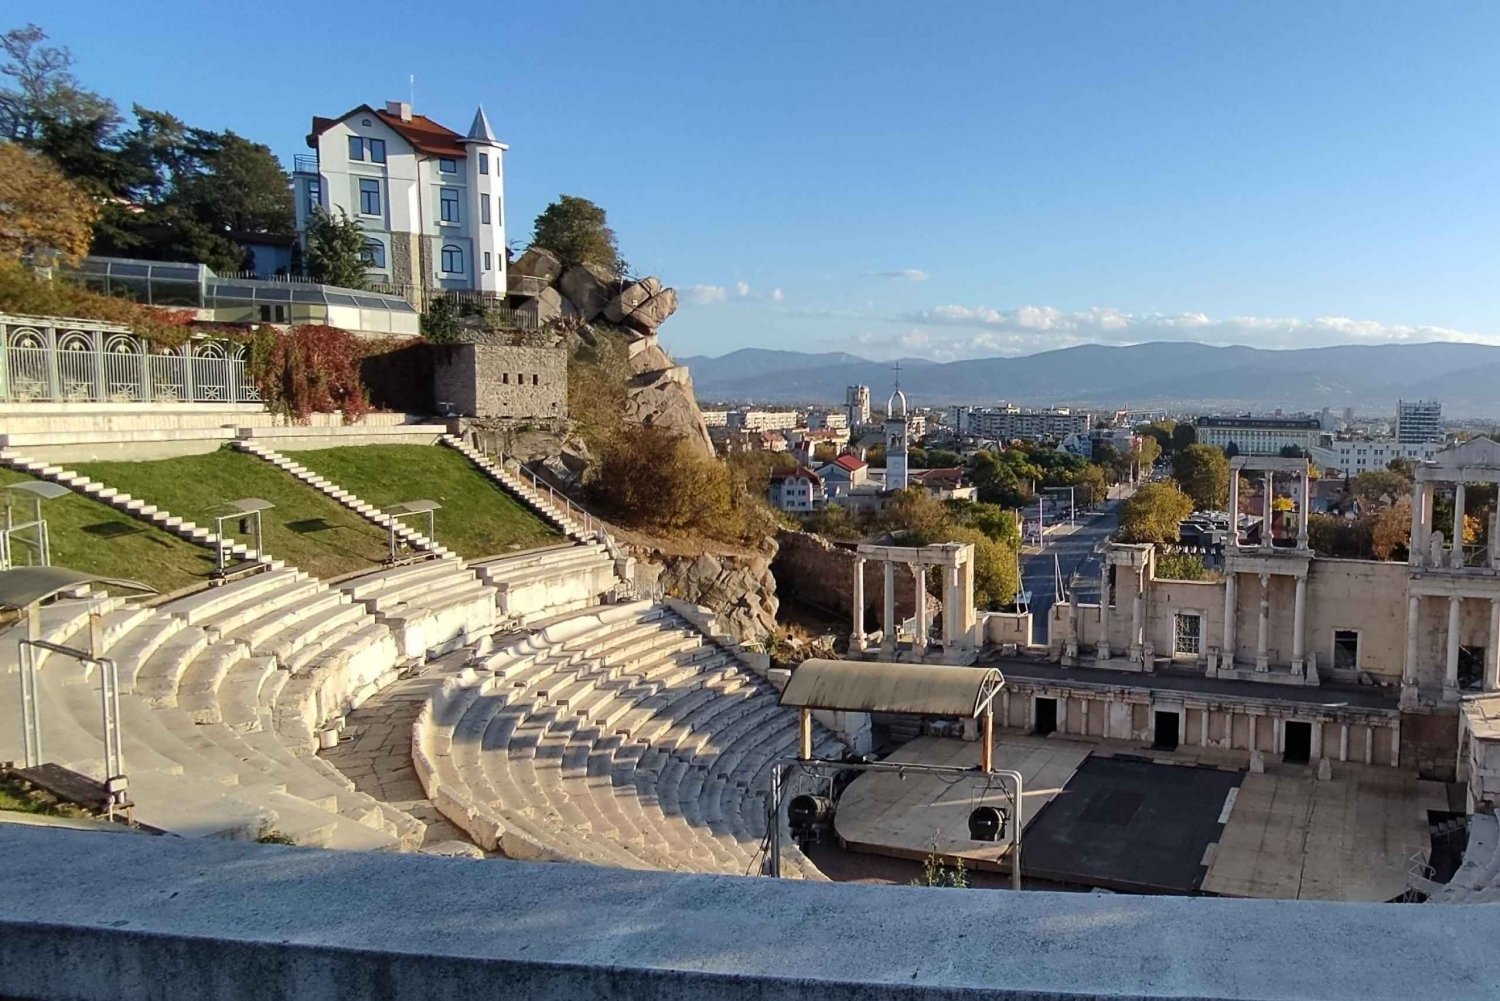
912, 817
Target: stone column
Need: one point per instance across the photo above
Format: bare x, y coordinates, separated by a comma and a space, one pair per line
1299, 619
1457, 558
1231, 598
1234, 508
919, 600
1269, 482
1262, 663
1495, 541
888, 637
857, 636
1450, 667
1409, 672
1418, 543
1070, 644
1138, 620
1304, 506
1104, 610
1492, 652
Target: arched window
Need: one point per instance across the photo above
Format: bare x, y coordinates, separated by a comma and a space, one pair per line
453, 260
373, 254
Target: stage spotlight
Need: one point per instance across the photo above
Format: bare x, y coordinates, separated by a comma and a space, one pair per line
987, 823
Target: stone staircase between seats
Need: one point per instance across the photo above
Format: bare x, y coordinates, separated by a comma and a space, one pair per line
370, 512
126, 504
221, 695
618, 735
433, 607
1477, 880
558, 515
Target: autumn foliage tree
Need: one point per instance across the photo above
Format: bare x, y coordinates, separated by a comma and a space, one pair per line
1392, 531
1203, 473
311, 369
1153, 512
41, 211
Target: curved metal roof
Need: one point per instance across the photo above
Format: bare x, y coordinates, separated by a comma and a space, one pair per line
23, 586
872, 686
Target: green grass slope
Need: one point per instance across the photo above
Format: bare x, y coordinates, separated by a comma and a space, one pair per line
477, 518
307, 529
95, 538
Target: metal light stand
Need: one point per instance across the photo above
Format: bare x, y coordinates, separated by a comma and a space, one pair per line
405, 509
244, 509
11, 529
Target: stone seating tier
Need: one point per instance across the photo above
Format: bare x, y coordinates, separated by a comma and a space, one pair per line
205, 699
620, 736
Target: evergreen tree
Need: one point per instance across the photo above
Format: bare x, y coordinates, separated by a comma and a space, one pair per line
335, 250
577, 231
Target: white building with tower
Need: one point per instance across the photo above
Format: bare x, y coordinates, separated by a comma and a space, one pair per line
896, 434
857, 405
431, 201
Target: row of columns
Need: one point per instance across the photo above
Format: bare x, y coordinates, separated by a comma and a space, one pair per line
1491, 675
953, 582
1268, 481
1263, 623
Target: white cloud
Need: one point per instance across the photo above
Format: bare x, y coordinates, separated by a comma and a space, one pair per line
741, 289
949, 332
776, 295
899, 274
703, 295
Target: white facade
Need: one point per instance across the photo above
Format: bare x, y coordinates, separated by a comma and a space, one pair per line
431, 202
1010, 421
797, 492
896, 435
827, 420
857, 405
1260, 435
1361, 455
762, 420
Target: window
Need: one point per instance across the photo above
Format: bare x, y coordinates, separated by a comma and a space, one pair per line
447, 166
377, 150
505, 378
484, 163
369, 196
1346, 649
356, 148
373, 254
499, 211
272, 314
486, 260
484, 209
314, 196
453, 260
448, 204
1187, 639
535, 380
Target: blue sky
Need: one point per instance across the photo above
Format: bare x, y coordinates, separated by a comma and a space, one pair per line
946, 180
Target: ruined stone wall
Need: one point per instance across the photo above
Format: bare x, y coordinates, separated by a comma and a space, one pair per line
814, 572
1429, 744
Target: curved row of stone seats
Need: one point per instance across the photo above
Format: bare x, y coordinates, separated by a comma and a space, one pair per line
543, 583
620, 735
433, 607
404, 532
126, 504
1477, 880
189, 777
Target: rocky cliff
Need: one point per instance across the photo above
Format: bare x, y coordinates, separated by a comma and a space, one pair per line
658, 391
737, 586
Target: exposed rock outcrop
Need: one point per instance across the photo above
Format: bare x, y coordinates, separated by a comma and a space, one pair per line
643, 306
739, 588
589, 288
539, 263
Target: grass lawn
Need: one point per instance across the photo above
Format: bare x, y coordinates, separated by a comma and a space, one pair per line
95, 538
477, 518
305, 528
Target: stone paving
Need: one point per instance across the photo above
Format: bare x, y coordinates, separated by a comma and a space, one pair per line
375, 753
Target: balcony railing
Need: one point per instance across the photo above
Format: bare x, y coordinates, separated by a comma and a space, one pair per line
304, 163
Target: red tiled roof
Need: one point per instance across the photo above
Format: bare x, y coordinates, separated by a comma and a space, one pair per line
849, 462
800, 473
425, 135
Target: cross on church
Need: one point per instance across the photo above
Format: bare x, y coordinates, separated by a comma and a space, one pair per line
897, 369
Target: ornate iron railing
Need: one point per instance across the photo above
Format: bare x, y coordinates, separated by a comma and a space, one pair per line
57, 360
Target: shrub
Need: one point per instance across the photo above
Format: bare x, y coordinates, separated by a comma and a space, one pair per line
312, 369
21, 291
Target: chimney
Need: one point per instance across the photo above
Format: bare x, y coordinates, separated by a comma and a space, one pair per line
401, 109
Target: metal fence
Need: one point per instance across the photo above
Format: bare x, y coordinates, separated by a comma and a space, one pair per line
45, 359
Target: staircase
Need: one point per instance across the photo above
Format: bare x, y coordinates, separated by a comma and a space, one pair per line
370, 512
133, 506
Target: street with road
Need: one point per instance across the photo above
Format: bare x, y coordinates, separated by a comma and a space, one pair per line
1076, 553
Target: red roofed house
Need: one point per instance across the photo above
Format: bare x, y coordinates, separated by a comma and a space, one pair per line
945, 483
843, 474
431, 201
797, 491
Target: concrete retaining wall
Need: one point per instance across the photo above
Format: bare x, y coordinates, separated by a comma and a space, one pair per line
88, 917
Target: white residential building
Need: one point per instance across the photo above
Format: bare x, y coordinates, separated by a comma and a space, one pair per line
1259, 435
1352, 456
828, 420
762, 420
798, 491
431, 201
857, 405
1009, 421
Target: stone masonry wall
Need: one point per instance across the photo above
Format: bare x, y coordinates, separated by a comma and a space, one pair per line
814, 572
483, 380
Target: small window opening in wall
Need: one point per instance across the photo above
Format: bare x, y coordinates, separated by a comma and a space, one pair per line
1296, 746
1046, 717
536, 380
1471, 667
1187, 635
1345, 649
505, 378
520, 378
1164, 732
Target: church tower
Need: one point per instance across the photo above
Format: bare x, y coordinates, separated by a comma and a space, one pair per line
895, 439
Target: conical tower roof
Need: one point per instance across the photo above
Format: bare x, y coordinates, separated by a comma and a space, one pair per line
480, 131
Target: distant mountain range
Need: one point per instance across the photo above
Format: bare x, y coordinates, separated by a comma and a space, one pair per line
1370, 378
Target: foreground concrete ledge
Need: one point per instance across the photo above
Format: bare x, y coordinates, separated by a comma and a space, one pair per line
84, 917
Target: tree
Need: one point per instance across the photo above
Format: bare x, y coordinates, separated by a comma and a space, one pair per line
1153, 513
1092, 485
41, 211
1203, 473
1292, 452
1348, 538
1182, 566
1405, 466
44, 90
335, 250
1379, 486
1184, 436
1392, 533
1147, 452
1160, 431
240, 186
440, 320
576, 230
